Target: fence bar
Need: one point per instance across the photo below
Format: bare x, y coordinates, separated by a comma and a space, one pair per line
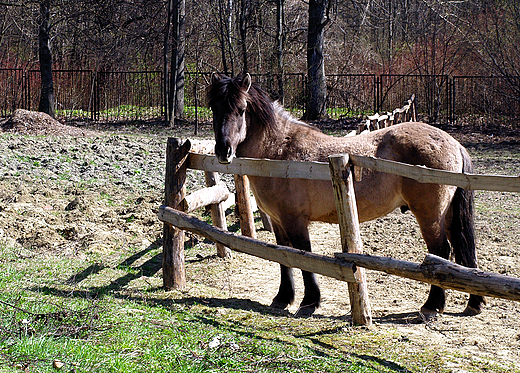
218, 215
288, 256
429, 175
435, 270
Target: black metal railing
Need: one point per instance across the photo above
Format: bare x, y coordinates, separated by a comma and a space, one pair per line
138, 95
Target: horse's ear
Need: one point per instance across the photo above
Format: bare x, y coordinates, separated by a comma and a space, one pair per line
215, 78
246, 82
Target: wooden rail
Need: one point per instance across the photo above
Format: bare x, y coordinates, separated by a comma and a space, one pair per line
288, 256
404, 114
444, 273
321, 171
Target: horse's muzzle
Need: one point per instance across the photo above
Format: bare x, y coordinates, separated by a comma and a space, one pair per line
224, 154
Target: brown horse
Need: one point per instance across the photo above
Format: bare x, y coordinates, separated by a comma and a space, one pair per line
247, 123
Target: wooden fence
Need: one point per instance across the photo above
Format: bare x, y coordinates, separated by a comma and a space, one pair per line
346, 266
377, 121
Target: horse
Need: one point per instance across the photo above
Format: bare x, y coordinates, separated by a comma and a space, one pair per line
247, 123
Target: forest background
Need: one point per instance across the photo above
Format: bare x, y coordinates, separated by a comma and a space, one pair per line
410, 37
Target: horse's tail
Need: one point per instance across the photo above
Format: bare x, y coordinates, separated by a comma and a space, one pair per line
463, 233
462, 224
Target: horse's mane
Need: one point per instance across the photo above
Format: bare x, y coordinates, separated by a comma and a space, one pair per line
259, 105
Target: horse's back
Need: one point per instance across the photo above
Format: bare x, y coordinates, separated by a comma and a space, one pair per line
377, 193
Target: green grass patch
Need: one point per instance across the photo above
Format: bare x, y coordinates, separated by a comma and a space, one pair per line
110, 314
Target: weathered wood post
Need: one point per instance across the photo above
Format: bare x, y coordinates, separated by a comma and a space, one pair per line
343, 183
174, 272
218, 215
243, 200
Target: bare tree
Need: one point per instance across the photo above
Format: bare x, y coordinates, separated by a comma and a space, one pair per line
47, 99
280, 47
174, 76
317, 88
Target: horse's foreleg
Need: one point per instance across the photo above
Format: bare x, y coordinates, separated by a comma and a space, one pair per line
285, 294
298, 234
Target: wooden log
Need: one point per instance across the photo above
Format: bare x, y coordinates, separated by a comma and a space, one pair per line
288, 256
262, 167
412, 111
202, 146
204, 197
218, 214
320, 171
243, 201
429, 175
342, 181
443, 273
174, 273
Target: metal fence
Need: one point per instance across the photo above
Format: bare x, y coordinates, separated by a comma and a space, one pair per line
431, 92
12, 92
486, 95
138, 95
72, 90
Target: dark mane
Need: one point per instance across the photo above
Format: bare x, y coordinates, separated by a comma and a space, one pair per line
259, 103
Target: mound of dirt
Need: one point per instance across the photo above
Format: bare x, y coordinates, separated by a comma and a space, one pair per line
33, 123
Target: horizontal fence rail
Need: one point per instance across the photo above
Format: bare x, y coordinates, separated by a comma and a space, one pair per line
133, 95
435, 270
288, 256
320, 171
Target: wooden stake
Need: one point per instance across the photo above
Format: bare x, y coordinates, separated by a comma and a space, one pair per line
243, 200
342, 181
174, 272
218, 215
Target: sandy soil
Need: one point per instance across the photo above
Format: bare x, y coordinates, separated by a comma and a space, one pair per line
90, 193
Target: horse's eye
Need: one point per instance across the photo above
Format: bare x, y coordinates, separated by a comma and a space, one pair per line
241, 111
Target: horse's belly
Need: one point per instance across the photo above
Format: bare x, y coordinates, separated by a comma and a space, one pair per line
314, 200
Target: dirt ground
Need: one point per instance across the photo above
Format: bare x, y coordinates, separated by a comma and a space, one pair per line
88, 193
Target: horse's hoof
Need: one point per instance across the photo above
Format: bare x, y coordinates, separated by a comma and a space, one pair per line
426, 314
306, 311
472, 311
279, 305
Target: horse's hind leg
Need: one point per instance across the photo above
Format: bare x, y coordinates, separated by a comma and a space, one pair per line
434, 234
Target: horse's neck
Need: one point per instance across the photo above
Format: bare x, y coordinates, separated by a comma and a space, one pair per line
256, 144
262, 142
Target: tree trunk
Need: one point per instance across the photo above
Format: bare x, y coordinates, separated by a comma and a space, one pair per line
280, 42
174, 78
166, 62
177, 63
47, 100
244, 19
317, 89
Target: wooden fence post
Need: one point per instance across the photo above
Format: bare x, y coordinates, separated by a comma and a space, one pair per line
243, 201
218, 215
174, 272
343, 183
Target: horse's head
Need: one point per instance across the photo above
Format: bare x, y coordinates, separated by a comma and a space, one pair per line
228, 99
